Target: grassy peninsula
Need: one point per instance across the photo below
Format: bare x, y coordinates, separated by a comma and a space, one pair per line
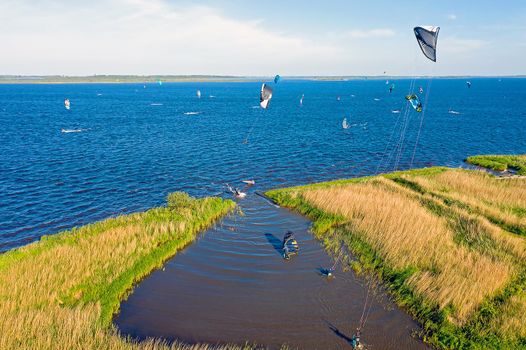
62, 291
500, 163
449, 244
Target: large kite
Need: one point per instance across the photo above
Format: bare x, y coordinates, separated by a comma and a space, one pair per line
427, 37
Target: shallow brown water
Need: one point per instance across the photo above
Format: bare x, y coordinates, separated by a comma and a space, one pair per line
232, 285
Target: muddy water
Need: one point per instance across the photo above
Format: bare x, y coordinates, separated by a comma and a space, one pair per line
233, 285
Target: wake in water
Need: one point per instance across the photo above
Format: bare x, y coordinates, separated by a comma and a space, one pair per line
156, 104
67, 131
191, 113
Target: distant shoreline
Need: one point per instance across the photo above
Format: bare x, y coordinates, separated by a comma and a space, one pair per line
153, 79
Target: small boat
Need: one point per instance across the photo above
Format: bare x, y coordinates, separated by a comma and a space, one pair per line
198, 93
249, 182
67, 104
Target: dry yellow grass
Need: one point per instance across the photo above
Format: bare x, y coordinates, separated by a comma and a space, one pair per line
502, 199
511, 320
405, 234
444, 236
55, 294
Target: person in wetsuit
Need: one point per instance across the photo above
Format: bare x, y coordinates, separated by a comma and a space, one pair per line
289, 237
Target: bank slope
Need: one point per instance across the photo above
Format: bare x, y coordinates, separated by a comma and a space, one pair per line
449, 244
62, 291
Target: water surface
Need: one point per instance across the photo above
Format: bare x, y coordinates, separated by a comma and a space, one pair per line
233, 286
138, 144
135, 143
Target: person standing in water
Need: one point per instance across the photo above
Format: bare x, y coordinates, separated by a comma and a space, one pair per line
287, 239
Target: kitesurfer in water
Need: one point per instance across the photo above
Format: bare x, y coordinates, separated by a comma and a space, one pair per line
236, 192
289, 245
355, 341
239, 194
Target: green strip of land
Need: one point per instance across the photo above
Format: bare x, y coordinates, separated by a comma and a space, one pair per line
63, 291
501, 163
120, 79
448, 244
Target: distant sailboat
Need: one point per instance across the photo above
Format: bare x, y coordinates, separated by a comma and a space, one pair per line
301, 99
345, 125
198, 93
67, 104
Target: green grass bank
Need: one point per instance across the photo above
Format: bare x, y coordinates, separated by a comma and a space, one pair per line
516, 163
63, 291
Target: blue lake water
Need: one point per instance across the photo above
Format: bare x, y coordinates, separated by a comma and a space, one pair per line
137, 144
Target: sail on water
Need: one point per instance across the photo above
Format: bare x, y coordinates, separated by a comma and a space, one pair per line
345, 125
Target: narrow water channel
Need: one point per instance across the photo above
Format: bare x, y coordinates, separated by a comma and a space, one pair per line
233, 286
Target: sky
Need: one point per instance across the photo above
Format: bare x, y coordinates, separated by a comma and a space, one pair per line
259, 38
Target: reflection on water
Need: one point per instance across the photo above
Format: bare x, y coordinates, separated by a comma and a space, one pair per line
233, 285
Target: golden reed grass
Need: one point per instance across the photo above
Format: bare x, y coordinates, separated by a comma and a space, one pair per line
510, 322
503, 199
37, 280
405, 234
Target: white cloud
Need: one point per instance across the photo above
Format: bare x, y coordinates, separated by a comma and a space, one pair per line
371, 33
452, 17
162, 37
145, 37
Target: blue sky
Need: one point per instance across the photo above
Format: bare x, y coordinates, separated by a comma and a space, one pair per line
237, 37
